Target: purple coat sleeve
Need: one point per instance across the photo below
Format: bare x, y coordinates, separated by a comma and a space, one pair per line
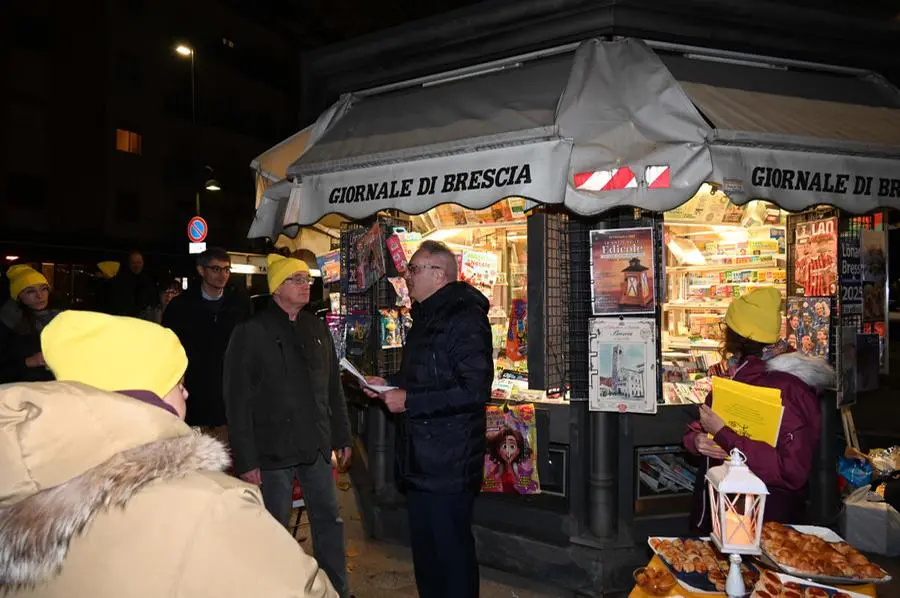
788, 465
694, 428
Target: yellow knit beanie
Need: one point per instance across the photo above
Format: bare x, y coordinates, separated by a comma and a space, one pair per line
281, 268
109, 269
113, 353
21, 277
757, 315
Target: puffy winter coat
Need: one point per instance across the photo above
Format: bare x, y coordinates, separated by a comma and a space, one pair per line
106, 496
447, 372
785, 468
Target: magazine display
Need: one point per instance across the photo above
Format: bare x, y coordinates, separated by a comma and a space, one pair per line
370, 265
623, 365
809, 325
815, 258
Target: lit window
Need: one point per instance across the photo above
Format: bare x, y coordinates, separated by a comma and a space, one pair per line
128, 141
227, 42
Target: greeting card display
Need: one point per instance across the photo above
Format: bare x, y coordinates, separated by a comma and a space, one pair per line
622, 271
370, 266
510, 463
815, 258
623, 365
809, 325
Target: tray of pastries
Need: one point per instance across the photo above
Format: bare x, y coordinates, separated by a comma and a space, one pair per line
818, 554
697, 565
781, 585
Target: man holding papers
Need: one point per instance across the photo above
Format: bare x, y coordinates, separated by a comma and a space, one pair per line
443, 385
768, 407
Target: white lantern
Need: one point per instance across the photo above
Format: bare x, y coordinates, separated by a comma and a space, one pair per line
737, 501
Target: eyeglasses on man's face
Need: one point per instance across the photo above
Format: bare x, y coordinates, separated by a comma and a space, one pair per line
416, 268
299, 280
219, 269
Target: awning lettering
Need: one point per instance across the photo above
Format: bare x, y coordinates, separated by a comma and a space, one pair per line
824, 182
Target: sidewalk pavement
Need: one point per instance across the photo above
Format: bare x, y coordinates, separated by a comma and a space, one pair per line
384, 570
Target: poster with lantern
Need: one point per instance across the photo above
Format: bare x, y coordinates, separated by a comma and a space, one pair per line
622, 271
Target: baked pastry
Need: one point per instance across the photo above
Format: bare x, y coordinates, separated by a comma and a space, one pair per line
699, 556
812, 555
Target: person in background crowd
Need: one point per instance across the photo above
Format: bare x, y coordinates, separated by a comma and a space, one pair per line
443, 385
204, 318
752, 327
134, 292
168, 291
287, 413
104, 286
105, 492
22, 319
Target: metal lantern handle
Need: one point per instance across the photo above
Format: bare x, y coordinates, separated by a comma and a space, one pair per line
736, 458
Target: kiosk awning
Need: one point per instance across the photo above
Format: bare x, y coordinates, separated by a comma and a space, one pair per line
795, 136
534, 127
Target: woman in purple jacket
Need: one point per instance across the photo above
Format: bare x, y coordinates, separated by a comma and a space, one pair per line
752, 326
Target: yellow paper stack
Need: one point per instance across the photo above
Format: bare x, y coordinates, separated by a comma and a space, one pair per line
751, 411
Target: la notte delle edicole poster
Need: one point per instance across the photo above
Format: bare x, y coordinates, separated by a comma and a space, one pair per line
622, 271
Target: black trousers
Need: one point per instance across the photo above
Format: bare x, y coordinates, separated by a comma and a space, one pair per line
443, 546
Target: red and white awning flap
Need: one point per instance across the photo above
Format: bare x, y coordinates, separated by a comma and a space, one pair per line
606, 180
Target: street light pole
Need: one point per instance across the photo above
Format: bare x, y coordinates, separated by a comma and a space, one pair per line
188, 51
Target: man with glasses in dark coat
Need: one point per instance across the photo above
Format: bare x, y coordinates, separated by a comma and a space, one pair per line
203, 318
443, 386
287, 412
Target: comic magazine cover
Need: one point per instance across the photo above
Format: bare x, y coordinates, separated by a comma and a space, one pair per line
510, 463
370, 266
809, 325
330, 266
622, 271
815, 258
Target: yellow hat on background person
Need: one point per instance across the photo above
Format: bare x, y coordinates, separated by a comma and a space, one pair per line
109, 269
113, 353
281, 268
757, 315
21, 277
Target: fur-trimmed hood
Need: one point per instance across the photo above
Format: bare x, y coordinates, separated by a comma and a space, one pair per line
813, 371
70, 452
35, 533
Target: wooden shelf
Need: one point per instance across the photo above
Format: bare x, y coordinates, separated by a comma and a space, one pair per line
698, 305
719, 267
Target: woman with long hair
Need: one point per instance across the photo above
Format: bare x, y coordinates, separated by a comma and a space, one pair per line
752, 354
22, 319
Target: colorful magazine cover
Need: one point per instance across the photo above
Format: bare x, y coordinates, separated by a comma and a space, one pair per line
480, 269
510, 463
370, 266
622, 271
809, 325
873, 262
815, 258
330, 266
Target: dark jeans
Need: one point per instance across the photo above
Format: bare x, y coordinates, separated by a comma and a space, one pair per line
440, 527
320, 494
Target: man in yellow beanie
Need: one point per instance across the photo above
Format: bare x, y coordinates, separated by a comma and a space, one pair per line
106, 492
286, 410
21, 320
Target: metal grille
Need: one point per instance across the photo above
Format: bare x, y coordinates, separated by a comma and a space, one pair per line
364, 306
558, 292
580, 287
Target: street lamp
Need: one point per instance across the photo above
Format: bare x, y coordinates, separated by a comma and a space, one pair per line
186, 51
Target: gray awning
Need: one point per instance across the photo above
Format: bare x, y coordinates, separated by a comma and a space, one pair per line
549, 129
797, 137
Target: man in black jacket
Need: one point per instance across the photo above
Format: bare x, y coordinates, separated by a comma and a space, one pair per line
287, 413
134, 291
443, 385
204, 318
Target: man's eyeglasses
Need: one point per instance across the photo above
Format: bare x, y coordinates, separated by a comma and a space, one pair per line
219, 269
299, 280
416, 268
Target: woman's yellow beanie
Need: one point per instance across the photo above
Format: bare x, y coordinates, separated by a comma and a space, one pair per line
113, 353
757, 315
281, 268
21, 277
109, 269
